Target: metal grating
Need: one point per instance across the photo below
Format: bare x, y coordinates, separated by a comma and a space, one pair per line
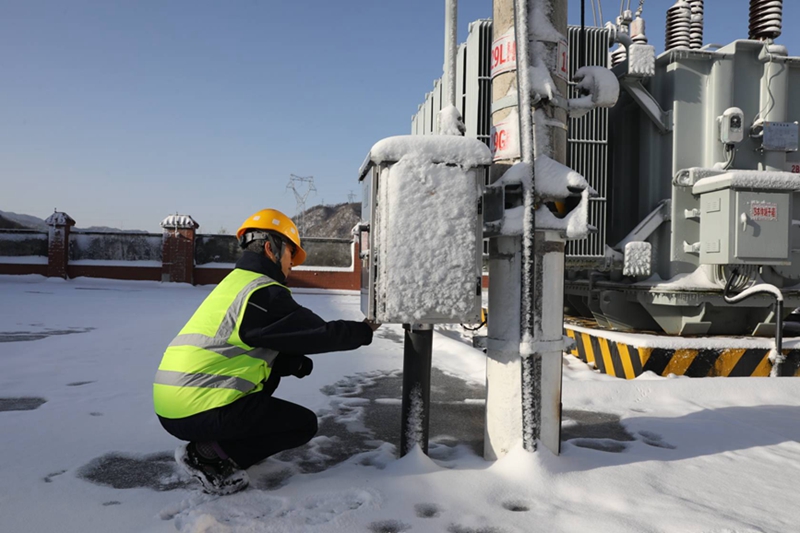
587, 144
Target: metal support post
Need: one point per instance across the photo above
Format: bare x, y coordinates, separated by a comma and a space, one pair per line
450, 51
417, 350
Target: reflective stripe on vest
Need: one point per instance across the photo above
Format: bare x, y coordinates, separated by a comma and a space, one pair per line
207, 365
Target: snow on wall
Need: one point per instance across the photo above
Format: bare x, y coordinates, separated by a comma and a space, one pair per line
23, 260
426, 242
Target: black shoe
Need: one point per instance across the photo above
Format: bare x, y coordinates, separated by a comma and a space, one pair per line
218, 476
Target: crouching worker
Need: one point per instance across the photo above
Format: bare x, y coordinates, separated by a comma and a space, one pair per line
215, 382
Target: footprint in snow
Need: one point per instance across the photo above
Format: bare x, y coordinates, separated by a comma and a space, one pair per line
78, 383
455, 528
516, 506
388, 526
654, 439
427, 510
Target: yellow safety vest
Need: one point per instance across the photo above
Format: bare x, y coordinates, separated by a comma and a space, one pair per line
207, 365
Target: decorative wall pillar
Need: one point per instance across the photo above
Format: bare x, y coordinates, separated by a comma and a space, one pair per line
178, 248
58, 244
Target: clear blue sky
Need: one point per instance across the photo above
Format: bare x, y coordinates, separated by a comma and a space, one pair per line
122, 112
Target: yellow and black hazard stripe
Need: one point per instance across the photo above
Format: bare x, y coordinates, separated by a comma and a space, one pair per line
628, 361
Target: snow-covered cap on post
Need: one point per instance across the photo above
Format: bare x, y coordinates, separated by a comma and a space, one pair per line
177, 221
59, 218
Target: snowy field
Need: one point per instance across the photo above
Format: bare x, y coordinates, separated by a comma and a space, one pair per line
81, 450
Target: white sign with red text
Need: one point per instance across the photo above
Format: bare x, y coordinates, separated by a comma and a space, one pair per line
562, 67
505, 138
504, 53
763, 211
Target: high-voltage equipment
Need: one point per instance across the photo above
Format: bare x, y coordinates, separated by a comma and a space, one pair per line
696, 172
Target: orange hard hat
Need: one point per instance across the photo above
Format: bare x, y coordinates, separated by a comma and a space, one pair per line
275, 221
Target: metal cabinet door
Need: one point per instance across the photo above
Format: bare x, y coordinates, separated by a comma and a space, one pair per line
762, 221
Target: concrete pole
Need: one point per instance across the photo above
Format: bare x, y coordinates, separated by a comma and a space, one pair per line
524, 363
503, 429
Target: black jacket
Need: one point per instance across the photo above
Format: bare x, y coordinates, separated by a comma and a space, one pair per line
272, 319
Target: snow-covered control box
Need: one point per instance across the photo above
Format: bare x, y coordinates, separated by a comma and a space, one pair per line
421, 235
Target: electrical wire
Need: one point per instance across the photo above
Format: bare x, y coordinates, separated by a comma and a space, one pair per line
594, 13
600, 11
731, 150
770, 103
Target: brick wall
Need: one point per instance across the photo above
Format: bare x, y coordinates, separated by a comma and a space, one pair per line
177, 262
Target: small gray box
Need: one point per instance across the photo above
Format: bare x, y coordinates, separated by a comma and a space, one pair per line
745, 227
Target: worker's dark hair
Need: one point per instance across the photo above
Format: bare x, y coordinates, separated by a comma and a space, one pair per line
254, 242
256, 246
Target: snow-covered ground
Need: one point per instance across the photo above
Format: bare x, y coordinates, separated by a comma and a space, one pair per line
653, 454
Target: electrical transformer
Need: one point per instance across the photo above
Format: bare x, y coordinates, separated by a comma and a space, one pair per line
703, 188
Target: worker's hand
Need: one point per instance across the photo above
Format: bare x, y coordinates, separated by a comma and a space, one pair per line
372, 324
304, 368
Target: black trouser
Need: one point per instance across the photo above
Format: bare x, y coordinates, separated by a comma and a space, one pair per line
250, 429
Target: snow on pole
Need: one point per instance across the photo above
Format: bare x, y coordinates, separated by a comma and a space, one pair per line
530, 377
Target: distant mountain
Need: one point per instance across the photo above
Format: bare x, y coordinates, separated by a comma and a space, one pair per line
330, 221
10, 220
106, 229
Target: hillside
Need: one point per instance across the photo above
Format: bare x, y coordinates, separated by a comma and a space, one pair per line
331, 221
9, 220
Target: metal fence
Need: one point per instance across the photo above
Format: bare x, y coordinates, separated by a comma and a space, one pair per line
23, 243
103, 246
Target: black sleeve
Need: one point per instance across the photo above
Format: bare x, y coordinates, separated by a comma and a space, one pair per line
272, 319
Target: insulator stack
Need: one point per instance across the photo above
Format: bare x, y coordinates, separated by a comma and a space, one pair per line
766, 19
697, 23
618, 56
679, 26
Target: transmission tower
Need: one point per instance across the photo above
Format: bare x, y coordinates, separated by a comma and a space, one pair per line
301, 186
351, 197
